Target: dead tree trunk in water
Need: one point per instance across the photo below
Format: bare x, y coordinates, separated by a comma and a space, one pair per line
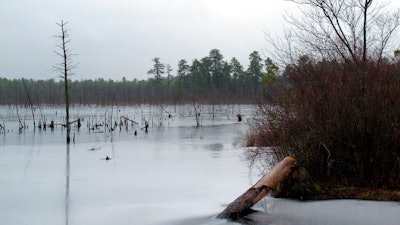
65, 68
197, 110
242, 205
30, 103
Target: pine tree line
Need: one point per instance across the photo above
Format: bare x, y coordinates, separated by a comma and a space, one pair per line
208, 80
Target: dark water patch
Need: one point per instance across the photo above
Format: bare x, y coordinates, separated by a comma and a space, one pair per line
215, 147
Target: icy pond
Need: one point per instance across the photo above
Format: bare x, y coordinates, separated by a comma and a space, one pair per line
175, 174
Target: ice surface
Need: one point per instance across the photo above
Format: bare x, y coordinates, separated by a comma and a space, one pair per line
174, 174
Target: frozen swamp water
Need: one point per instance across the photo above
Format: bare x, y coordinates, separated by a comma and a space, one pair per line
174, 174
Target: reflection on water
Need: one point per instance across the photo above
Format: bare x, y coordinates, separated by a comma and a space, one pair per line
215, 149
67, 175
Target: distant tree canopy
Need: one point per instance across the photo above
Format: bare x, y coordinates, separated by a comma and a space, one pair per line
210, 79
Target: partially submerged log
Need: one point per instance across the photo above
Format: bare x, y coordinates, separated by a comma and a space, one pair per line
269, 183
126, 118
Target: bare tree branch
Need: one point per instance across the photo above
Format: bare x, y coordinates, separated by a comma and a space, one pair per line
353, 30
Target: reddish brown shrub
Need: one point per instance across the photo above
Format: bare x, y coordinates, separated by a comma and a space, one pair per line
340, 120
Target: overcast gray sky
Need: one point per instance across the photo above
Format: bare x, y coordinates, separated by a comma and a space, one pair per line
116, 38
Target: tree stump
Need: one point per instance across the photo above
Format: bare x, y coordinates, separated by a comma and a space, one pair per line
239, 117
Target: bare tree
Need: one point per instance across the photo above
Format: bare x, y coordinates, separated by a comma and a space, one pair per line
65, 67
354, 30
30, 103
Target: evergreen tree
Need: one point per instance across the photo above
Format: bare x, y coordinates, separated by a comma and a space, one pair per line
255, 71
157, 71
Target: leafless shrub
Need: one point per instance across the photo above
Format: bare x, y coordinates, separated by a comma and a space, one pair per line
340, 120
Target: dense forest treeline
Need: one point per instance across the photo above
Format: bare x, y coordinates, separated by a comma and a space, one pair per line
207, 80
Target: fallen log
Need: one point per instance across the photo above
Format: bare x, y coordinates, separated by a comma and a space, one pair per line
126, 118
268, 183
